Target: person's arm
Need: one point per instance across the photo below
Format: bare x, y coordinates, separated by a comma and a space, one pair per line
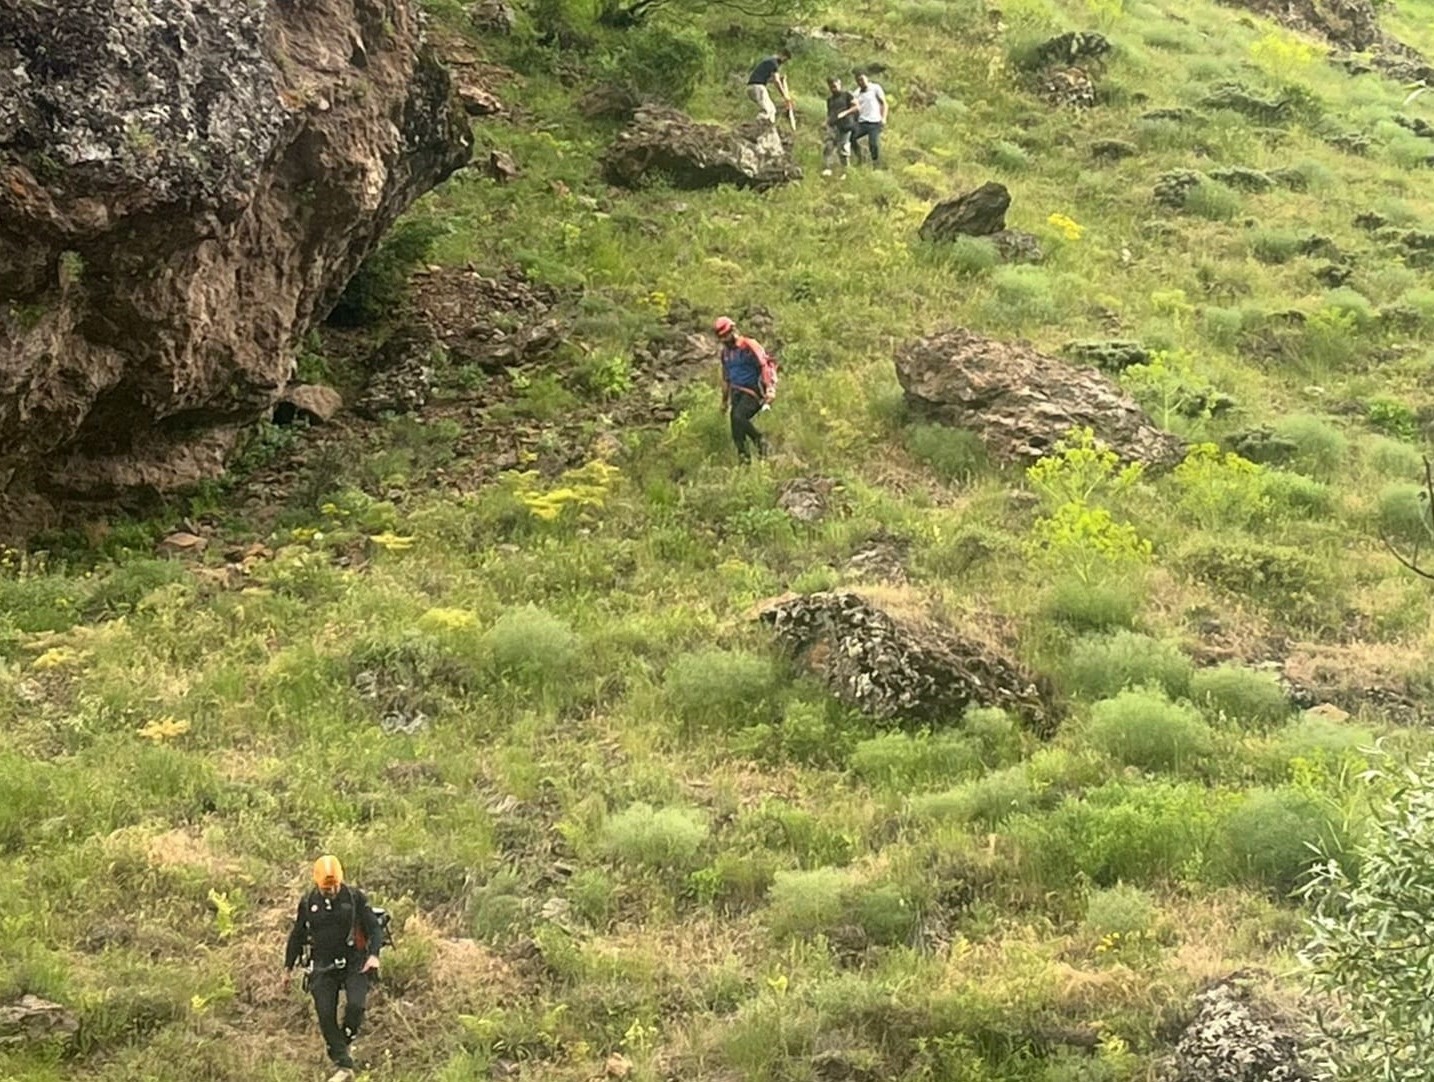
851, 110
295, 945
781, 81
881, 97
372, 930
764, 365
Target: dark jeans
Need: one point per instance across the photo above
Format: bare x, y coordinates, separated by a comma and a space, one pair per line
744, 408
324, 987
870, 130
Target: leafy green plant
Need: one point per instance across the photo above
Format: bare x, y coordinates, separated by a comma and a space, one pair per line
1221, 490
1403, 515
1122, 910
1094, 605
906, 761
1394, 418
666, 62
1368, 942
1213, 201
532, 648
986, 801
1278, 575
1143, 728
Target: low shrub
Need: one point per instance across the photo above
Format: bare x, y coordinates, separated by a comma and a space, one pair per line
1393, 458
1296, 496
532, 648
662, 838
1321, 447
666, 62
1276, 245
995, 733
1246, 697
1394, 418
1272, 837
1025, 297
986, 801
1317, 741
1121, 910
722, 688
1402, 514
825, 899
1212, 201
127, 584
953, 454
969, 257
1144, 729
1099, 666
905, 761
1272, 575
1097, 605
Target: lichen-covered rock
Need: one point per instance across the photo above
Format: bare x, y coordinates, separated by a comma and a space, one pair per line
1020, 401
1076, 46
1017, 246
185, 188
1243, 178
978, 213
1172, 188
666, 144
32, 1020
1071, 87
1236, 1038
1113, 150
1241, 99
1348, 24
903, 668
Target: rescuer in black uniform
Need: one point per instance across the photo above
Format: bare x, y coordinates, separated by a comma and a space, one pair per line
337, 926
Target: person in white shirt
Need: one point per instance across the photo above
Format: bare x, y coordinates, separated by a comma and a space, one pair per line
870, 117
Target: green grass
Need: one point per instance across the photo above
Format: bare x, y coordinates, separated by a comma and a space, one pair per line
614, 818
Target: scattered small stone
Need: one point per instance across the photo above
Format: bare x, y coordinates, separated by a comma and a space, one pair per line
1333, 274
501, 167
1262, 445
32, 1020
805, 498
1172, 188
493, 17
1071, 87
1416, 124
1356, 143
1017, 246
182, 543
1328, 712
402, 379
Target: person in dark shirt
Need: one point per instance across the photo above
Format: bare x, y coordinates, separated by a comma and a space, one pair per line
841, 122
769, 70
748, 381
337, 926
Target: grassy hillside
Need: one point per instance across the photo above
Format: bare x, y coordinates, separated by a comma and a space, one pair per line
533, 716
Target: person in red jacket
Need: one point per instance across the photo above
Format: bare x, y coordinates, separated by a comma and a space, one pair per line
748, 383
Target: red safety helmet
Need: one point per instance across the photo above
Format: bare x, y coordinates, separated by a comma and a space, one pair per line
723, 327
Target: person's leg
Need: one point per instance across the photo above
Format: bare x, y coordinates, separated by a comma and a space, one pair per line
873, 140
355, 1000
766, 109
324, 987
856, 137
743, 429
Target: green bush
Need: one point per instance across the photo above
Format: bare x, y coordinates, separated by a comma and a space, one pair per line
806, 902
532, 648
728, 689
1321, 448
1394, 418
1244, 696
986, 801
659, 838
968, 256
1402, 514
1393, 458
995, 733
379, 286
39, 602
1273, 575
1272, 837
1295, 496
1319, 741
127, 584
1007, 156
1098, 666
904, 761
953, 454
666, 62
1025, 297
1095, 605
1276, 245
1213, 201
1121, 910
1148, 833
1144, 729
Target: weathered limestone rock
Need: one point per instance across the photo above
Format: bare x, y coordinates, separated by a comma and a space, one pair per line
312, 403
1069, 86
32, 1020
904, 668
1235, 1038
185, 188
978, 213
1020, 401
666, 144
1076, 46
1348, 24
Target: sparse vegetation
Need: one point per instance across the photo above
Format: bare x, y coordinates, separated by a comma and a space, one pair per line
533, 712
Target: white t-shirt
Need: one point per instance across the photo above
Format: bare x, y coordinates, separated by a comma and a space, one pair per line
869, 103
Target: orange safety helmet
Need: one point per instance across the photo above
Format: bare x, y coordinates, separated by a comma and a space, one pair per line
328, 873
723, 327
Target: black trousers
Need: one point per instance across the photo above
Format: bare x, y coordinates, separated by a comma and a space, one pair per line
744, 408
324, 987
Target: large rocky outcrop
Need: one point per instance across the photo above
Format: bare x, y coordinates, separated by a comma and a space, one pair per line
1236, 1038
666, 144
904, 668
1020, 401
185, 188
1348, 24
982, 213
